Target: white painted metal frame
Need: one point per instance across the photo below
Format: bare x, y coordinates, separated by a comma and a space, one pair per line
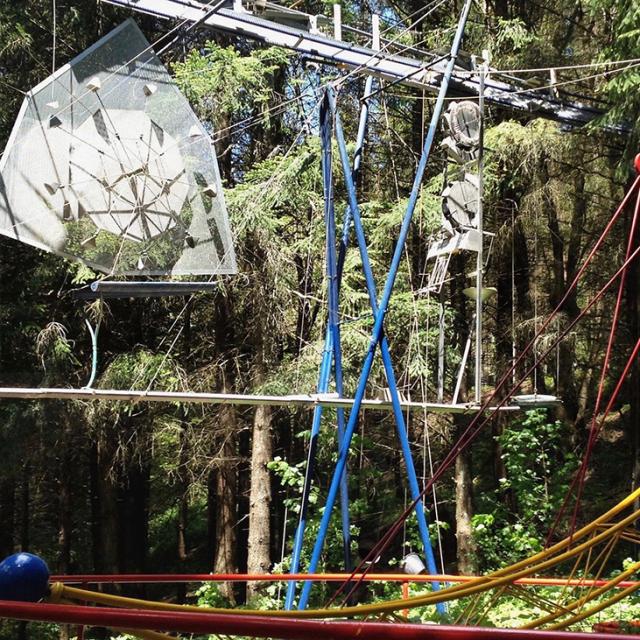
422, 74
301, 400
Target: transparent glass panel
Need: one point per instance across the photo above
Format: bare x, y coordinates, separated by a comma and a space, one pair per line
108, 164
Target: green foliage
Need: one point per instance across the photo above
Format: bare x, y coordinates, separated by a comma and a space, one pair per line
143, 368
54, 348
220, 82
292, 477
621, 27
512, 36
208, 595
539, 467
277, 192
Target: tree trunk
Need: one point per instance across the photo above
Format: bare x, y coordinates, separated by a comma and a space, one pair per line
65, 505
259, 560
463, 473
466, 555
106, 502
183, 508
25, 500
183, 462
133, 514
226, 499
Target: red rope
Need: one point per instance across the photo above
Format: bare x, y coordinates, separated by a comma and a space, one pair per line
473, 429
580, 478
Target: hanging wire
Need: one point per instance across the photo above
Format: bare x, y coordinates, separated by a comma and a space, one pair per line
633, 63
535, 300
513, 295
530, 90
54, 35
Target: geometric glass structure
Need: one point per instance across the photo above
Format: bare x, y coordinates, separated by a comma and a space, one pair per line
108, 164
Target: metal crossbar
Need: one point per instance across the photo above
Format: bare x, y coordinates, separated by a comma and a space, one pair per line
403, 70
193, 397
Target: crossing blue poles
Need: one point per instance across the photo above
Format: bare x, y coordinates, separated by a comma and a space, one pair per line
377, 331
332, 284
384, 349
323, 386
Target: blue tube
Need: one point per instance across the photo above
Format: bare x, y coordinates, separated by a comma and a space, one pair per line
334, 320
323, 386
386, 356
376, 334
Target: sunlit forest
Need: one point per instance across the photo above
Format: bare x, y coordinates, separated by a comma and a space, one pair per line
119, 487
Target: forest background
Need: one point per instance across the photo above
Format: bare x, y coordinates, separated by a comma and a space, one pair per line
110, 488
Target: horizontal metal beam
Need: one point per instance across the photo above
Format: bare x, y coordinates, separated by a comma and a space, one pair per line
145, 289
326, 400
409, 71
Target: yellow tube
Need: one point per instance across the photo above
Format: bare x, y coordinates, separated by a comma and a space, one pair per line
498, 578
597, 608
587, 598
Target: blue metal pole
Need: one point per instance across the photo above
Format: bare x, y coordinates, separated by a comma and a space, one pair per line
326, 132
384, 303
337, 344
323, 384
324, 376
357, 161
384, 349
329, 349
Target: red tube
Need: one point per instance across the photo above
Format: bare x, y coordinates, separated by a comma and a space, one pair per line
284, 629
316, 577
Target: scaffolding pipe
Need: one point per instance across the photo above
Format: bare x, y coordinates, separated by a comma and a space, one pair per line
378, 327
325, 367
145, 289
401, 427
194, 397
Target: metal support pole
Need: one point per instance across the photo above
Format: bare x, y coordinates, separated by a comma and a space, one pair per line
324, 376
384, 348
480, 257
377, 331
334, 320
441, 328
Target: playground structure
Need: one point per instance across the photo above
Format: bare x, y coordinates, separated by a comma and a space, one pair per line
587, 548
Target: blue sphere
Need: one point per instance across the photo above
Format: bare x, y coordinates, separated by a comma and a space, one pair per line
23, 577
